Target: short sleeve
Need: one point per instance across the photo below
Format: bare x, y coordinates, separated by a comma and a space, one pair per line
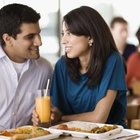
113, 76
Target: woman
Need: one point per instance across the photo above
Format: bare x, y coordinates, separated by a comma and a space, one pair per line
89, 81
133, 74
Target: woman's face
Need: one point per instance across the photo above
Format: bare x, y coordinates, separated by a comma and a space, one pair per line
75, 46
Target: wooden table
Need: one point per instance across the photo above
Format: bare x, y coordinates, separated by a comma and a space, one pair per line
125, 132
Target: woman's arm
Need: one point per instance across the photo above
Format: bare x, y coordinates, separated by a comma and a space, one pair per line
99, 114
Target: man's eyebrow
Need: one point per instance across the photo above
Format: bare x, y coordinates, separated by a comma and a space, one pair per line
29, 35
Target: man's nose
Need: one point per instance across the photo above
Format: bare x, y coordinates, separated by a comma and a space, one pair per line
37, 40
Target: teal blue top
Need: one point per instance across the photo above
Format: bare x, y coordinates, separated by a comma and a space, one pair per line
72, 98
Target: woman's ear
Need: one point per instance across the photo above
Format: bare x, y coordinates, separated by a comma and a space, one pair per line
90, 41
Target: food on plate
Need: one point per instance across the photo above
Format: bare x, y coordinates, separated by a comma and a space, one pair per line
87, 128
103, 129
5, 133
63, 127
25, 132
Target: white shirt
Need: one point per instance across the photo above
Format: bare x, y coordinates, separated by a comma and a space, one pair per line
19, 67
17, 96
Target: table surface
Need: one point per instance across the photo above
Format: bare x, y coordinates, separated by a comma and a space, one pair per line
125, 132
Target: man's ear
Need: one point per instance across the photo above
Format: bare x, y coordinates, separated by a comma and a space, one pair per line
7, 39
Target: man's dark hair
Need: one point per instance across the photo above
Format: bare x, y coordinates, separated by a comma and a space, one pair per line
12, 16
117, 20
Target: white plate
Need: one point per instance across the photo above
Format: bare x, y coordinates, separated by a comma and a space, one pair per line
89, 135
54, 134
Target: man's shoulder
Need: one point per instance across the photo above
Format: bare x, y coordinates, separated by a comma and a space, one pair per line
129, 50
42, 62
130, 46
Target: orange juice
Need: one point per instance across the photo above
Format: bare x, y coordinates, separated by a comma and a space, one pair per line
43, 108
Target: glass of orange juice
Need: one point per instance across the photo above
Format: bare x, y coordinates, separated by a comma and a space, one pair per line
43, 106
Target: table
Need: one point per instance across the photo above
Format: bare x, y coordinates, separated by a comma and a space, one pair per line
123, 133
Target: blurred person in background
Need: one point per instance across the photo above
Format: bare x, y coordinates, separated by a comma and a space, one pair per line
22, 70
119, 29
89, 81
133, 71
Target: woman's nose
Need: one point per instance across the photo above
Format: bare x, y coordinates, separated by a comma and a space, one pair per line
64, 40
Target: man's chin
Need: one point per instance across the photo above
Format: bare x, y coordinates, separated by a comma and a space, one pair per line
35, 57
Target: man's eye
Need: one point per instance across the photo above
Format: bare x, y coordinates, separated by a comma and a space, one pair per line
30, 37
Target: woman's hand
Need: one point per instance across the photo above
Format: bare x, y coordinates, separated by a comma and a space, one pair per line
55, 115
35, 118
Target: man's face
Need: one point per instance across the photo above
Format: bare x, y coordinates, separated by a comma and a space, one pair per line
120, 32
26, 45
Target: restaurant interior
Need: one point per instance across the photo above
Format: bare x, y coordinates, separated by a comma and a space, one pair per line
52, 12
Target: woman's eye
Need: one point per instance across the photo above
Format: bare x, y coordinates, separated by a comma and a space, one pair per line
62, 34
65, 33
68, 33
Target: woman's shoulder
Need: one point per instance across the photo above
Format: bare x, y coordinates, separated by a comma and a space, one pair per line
61, 62
134, 55
114, 60
115, 56
60, 66
133, 59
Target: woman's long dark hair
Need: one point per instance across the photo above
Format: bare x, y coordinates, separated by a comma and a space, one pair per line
88, 22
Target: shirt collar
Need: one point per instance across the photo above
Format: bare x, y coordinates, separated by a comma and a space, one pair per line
2, 53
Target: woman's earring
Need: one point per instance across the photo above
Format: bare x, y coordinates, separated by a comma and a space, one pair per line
90, 43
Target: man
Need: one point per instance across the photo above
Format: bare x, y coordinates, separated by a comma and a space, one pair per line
22, 70
119, 29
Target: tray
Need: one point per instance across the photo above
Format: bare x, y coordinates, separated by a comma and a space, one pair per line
54, 134
86, 134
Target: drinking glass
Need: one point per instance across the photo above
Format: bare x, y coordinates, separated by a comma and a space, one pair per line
43, 105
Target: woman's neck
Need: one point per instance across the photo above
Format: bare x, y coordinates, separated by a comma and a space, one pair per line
84, 62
